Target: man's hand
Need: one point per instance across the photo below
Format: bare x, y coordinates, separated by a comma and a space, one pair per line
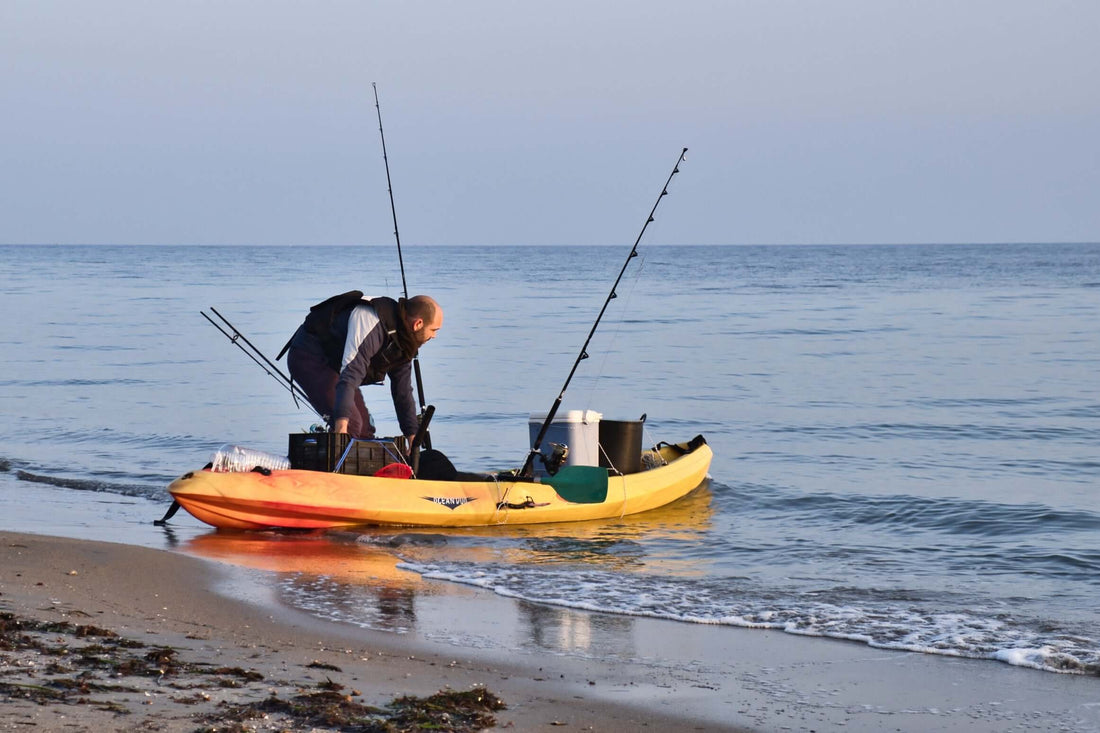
340, 426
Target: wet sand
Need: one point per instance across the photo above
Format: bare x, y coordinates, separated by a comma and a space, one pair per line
226, 654
162, 599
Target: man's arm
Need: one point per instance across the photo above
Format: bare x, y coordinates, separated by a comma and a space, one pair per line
403, 402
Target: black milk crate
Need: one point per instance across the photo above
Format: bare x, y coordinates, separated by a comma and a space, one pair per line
322, 451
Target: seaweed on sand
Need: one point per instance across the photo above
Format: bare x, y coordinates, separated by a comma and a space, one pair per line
447, 710
77, 671
53, 663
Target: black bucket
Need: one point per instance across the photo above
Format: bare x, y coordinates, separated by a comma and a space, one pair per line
621, 445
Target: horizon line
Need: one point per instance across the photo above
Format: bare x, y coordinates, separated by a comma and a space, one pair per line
493, 245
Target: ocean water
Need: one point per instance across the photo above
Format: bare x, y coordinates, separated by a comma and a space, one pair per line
906, 438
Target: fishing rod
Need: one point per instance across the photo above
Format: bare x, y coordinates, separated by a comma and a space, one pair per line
528, 464
236, 337
400, 259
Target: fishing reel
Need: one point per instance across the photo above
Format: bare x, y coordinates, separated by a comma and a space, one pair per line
553, 462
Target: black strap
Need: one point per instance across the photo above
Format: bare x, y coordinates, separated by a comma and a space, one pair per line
168, 514
692, 445
285, 348
527, 503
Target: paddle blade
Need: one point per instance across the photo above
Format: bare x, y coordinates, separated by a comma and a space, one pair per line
579, 484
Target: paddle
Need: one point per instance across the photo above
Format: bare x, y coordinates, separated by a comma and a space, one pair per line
579, 484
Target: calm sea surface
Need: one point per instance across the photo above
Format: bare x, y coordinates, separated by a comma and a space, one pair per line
907, 438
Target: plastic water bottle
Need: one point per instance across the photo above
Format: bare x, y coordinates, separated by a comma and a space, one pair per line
235, 458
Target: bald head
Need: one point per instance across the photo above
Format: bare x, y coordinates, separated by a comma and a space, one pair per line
421, 306
424, 317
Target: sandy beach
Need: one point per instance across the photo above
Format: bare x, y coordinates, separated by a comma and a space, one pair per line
226, 658
160, 599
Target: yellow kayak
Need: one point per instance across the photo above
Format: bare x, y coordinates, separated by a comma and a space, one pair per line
317, 500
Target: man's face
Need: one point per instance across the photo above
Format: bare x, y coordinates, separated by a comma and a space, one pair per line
425, 332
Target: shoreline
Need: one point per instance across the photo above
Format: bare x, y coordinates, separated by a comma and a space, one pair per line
678, 676
115, 587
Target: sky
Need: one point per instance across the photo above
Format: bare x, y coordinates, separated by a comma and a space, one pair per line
549, 123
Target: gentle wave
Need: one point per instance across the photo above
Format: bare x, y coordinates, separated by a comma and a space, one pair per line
912, 513
982, 402
818, 331
934, 431
108, 437
69, 382
907, 623
145, 491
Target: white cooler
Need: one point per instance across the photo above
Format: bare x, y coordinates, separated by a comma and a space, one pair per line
578, 429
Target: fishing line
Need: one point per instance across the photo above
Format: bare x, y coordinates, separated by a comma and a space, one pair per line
389, 188
615, 333
528, 464
401, 261
254, 353
603, 363
647, 438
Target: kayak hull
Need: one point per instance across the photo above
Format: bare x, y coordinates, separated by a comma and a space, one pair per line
318, 500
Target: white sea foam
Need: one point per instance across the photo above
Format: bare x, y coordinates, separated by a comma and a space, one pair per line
880, 625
